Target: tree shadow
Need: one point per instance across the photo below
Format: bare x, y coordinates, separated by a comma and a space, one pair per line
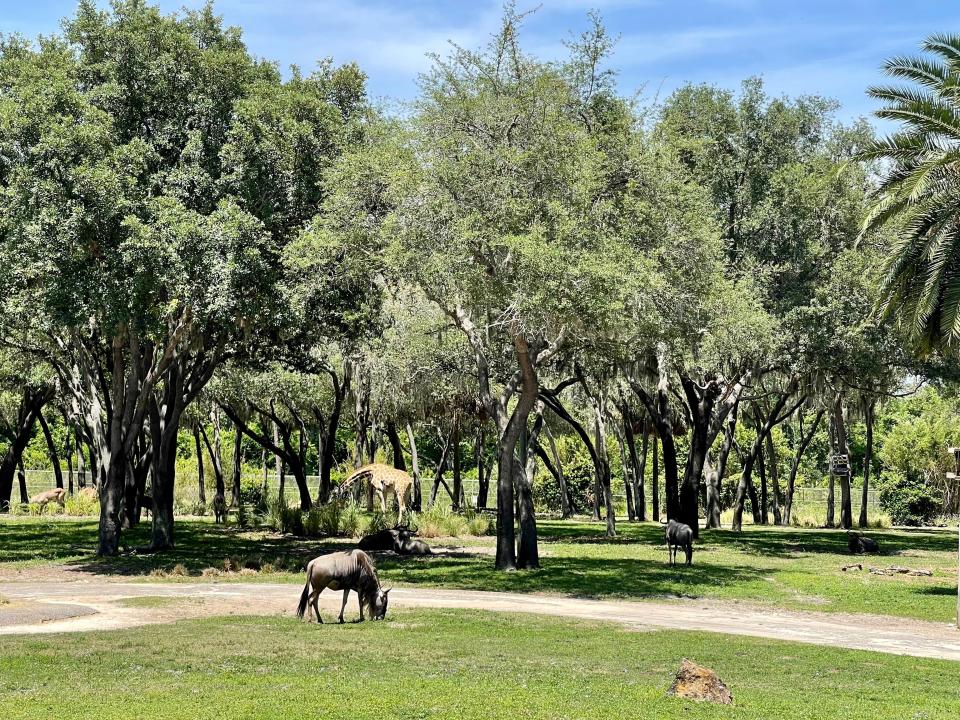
768, 540
581, 577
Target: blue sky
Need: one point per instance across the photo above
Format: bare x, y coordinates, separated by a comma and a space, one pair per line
799, 47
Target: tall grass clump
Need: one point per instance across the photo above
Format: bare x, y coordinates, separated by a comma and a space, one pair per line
437, 521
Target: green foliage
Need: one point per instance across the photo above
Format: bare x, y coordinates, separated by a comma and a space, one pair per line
917, 196
907, 498
251, 494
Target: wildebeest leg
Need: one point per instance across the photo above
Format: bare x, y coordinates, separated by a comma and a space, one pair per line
346, 594
689, 552
316, 604
360, 603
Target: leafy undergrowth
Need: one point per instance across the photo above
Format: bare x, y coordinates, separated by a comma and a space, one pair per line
443, 664
785, 567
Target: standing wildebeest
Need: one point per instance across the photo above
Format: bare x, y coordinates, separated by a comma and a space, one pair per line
220, 508
679, 536
345, 571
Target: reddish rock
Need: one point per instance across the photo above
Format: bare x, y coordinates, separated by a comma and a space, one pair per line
699, 683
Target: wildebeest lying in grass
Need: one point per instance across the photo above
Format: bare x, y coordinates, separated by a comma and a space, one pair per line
352, 570
679, 536
399, 540
859, 544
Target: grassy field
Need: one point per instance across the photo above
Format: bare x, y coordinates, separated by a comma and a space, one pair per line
443, 664
785, 567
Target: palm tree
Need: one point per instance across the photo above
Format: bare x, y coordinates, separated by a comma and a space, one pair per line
919, 195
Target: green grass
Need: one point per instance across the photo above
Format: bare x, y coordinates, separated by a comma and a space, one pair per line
784, 567
450, 664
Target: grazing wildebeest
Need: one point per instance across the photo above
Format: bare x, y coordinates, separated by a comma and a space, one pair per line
57, 495
351, 570
219, 508
679, 536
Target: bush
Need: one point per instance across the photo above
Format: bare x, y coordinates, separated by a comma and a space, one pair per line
285, 519
243, 515
907, 499
438, 521
78, 505
480, 523
352, 522
251, 493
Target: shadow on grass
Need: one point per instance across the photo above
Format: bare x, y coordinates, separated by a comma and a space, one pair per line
771, 541
944, 590
584, 577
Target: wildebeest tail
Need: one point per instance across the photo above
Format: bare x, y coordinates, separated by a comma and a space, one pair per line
304, 597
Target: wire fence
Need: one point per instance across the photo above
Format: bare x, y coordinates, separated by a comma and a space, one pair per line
188, 489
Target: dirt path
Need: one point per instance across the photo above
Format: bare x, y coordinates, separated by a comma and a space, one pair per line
113, 610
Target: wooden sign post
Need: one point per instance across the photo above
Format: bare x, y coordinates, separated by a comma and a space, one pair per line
955, 475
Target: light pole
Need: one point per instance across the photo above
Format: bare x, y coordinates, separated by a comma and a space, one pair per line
955, 451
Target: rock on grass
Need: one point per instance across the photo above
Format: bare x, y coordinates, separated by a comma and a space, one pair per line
699, 683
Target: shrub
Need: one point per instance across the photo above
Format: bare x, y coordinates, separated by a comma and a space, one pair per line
251, 493
907, 499
480, 523
243, 514
78, 505
352, 521
285, 519
378, 522
438, 521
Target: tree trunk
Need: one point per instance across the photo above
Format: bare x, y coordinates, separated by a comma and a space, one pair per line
795, 466
713, 495
457, 503
638, 466
506, 558
201, 479
831, 490
846, 505
328, 458
746, 476
52, 449
22, 478
81, 461
216, 457
18, 436
869, 407
169, 413
600, 435
627, 477
441, 469
69, 453
774, 480
417, 499
237, 464
528, 554
714, 483
764, 503
655, 481
566, 507
483, 481
394, 437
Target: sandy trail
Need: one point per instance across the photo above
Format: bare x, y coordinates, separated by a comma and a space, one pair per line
864, 632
